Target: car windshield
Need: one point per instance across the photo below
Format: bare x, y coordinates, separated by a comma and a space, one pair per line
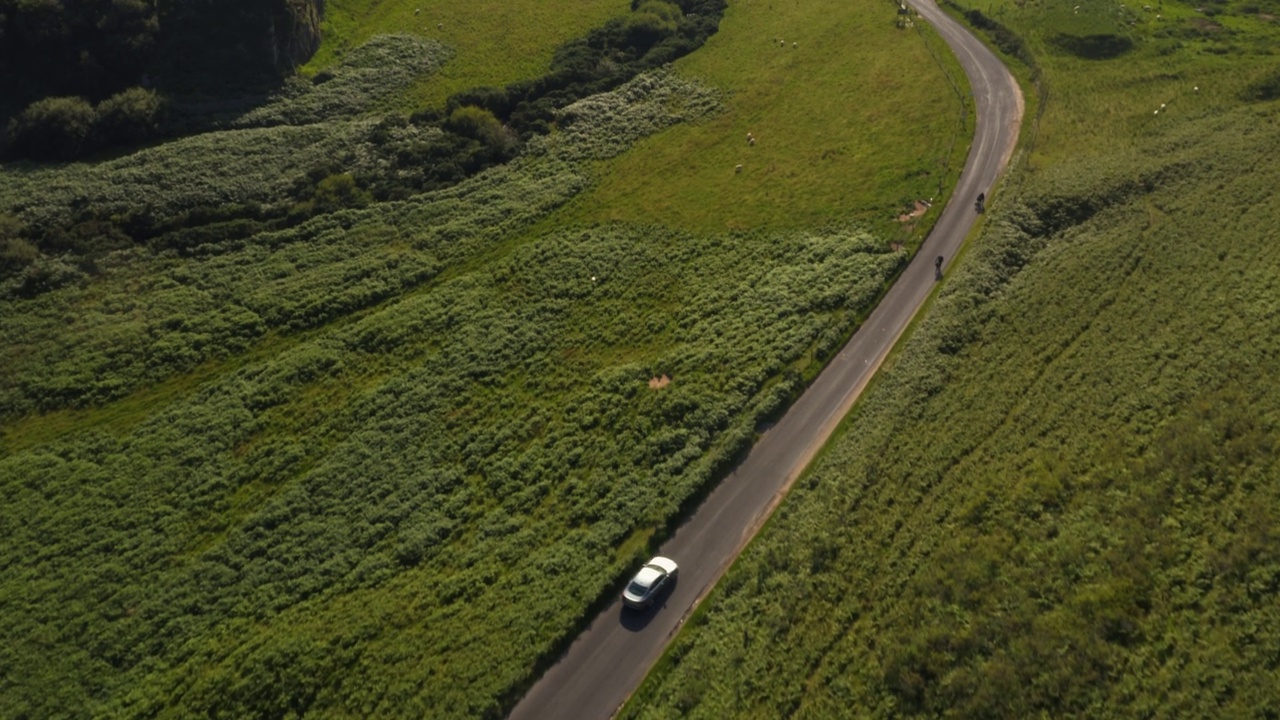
644, 580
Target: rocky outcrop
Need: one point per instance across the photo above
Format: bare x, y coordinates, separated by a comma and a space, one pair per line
295, 33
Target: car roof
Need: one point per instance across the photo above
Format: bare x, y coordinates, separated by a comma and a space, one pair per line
648, 574
667, 564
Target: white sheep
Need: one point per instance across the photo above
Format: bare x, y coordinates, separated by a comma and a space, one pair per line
738, 169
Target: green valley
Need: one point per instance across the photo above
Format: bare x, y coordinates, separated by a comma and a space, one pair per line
348, 401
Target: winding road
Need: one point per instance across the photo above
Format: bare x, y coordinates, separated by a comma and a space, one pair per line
607, 662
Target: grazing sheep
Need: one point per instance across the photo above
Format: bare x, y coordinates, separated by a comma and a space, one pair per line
738, 169
751, 142
795, 45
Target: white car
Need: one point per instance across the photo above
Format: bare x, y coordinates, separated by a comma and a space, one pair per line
649, 582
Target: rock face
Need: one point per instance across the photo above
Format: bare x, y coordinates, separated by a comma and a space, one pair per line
295, 33
95, 49
211, 42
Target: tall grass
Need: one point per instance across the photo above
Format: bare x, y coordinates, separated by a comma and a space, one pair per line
307, 470
343, 449
1057, 499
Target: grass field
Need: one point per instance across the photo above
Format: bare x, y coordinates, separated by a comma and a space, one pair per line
1060, 500
844, 126
498, 41
384, 461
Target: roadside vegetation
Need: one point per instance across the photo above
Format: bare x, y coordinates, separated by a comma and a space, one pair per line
324, 409
1060, 497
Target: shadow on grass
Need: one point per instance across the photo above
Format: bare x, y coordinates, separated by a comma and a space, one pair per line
1105, 46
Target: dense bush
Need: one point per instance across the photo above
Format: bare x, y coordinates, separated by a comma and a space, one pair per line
650, 22
78, 48
55, 128
480, 124
96, 48
1263, 89
129, 116
69, 128
16, 251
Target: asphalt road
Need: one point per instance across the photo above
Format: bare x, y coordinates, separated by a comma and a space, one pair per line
611, 657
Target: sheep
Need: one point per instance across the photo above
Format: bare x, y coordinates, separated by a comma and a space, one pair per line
738, 169
795, 45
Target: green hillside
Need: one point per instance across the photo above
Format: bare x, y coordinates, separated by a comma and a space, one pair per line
1062, 497
327, 410
497, 41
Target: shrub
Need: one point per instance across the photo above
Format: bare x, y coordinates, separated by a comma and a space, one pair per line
652, 21
55, 128
16, 254
1263, 89
129, 116
480, 124
340, 191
